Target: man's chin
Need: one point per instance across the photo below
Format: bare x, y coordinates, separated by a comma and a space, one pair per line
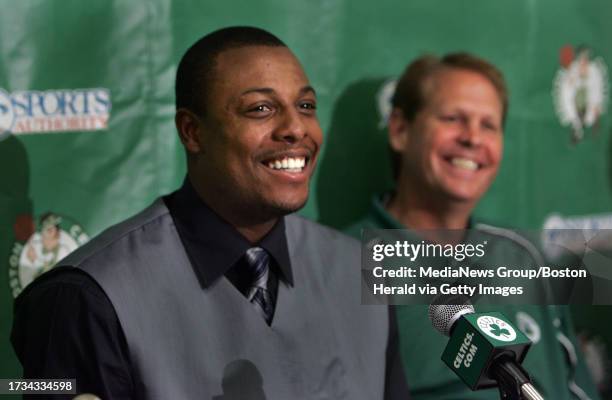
288, 207
463, 197
264, 209
279, 207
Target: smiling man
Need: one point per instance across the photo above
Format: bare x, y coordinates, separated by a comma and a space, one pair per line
446, 138
217, 290
449, 146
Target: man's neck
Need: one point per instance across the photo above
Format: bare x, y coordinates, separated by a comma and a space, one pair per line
415, 212
254, 233
243, 220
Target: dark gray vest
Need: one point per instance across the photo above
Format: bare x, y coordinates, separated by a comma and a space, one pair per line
187, 342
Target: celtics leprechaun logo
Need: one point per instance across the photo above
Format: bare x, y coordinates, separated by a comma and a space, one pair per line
38, 248
383, 101
580, 90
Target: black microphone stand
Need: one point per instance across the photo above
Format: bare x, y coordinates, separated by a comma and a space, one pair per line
514, 382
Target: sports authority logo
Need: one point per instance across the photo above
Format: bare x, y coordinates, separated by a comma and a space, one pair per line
580, 90
7, 117
24, 112
38, 249
496, 328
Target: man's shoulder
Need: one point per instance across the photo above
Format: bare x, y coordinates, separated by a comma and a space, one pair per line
376, 217
518, 239
305, 229
310, 239
122, 231
356, 228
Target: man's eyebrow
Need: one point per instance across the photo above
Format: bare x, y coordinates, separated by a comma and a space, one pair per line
267, 90
307, 89
258, 90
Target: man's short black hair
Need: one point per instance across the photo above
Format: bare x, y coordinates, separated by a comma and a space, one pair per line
195, 68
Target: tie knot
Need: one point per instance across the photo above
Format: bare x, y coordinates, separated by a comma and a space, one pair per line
257, 259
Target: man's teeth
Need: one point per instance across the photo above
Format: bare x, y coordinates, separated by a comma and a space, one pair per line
465, 163
289, 164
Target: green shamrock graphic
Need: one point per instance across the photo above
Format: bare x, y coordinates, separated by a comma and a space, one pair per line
497, 331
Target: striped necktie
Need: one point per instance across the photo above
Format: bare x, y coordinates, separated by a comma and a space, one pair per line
258, 262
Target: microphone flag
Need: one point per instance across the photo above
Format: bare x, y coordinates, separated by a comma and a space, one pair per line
476, 340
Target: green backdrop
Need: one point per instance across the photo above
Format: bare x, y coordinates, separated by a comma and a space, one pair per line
86, 108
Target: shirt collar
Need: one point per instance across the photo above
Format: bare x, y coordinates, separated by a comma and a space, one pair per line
212, 244
382, 216
384, 220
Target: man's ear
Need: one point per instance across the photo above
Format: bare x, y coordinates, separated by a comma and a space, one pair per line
398, 130
189, 130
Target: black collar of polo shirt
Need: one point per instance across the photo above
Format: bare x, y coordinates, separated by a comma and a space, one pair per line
213, 245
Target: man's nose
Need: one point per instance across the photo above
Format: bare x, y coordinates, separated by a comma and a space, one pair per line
292, 127
471, 134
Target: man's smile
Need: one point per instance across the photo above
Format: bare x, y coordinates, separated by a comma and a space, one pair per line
289, 164
294, 162
464, 163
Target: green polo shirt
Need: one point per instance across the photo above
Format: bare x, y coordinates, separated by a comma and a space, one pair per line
549, 361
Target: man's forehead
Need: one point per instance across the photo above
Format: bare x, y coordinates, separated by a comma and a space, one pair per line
436, 87
248, 58
260, 69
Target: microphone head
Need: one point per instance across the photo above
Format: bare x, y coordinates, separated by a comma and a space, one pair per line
444, 311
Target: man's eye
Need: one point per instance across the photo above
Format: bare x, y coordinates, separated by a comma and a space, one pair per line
449, 118
489, 126
308, 105
260, 108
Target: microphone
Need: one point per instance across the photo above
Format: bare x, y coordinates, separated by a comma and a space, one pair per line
484, 349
